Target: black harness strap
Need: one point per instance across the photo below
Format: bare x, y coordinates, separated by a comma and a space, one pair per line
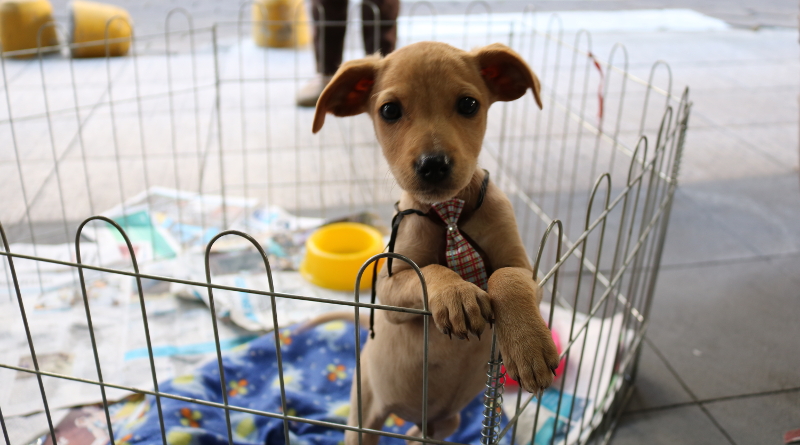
396, 220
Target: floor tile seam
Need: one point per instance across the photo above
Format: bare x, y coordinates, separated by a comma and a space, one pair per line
75, 140
719, 223
749, 395
712, 400
731, 130
716, 424
727, 129
746, 88
723, 262
756, 124
19, 73
758, 26
688, 390
732, 62
727, 132
733, 125
710, 263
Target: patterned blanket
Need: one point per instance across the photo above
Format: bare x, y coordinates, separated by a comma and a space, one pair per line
318, 364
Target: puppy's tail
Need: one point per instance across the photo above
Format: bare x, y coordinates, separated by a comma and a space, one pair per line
363, 319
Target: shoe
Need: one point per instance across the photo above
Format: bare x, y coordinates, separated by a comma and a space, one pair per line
309, 94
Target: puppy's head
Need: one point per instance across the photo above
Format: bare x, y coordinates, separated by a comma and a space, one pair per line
428, 102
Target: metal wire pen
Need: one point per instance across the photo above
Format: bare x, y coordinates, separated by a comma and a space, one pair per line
203, 112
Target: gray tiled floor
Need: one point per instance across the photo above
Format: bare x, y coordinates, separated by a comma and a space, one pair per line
721, 363
682, 425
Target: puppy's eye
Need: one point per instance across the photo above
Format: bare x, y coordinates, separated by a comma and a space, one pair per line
467, 106
391, 112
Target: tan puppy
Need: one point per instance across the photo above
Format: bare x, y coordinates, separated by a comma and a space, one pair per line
429, 102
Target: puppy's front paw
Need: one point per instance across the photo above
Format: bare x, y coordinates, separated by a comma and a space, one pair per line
461, 308
529, 354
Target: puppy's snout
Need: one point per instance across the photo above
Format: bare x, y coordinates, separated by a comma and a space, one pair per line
433, 168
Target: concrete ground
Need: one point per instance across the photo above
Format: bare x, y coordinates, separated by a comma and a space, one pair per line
721, 360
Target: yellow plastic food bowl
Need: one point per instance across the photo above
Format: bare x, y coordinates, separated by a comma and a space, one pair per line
335, 253
89, 23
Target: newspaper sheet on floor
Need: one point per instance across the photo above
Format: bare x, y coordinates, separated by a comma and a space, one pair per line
180, 327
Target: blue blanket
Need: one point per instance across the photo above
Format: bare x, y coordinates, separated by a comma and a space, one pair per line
318, 363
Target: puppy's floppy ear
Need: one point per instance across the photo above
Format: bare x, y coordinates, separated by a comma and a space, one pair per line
506, 74
348, 92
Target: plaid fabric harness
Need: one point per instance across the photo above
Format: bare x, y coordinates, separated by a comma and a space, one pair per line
462, 255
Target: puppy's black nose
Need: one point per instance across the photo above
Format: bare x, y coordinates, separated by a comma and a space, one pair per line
433, 168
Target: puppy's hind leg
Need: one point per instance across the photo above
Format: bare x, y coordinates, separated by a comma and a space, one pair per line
374, 414
438, 430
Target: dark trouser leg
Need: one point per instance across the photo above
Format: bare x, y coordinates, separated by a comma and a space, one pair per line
387, 32
329, 42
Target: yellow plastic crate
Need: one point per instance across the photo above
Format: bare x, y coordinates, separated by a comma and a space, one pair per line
89, 22
23, 25
293, 31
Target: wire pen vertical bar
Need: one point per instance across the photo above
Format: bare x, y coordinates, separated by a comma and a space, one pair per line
650, 89
516, 413
276, 331
357, 330
503, 124
3, 426
114, 135
623, 270
536, 265
50, 133
173, 133
683, 119
574, 313
551, 115
267, 111
642, 144
142, 143
524, 134
660, 195
218, 110
81, 141
212, 307
607, 178
91, 331
198, 132
493, 396
17, 158
426, 337
565, 129
297, 145
426, 321
242, 114
649, 208
377, 22
615, 137
582, 119
151, 358
8, 284
28, 335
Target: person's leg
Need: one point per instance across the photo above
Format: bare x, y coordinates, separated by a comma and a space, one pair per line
387, 32
329, 42
328, 47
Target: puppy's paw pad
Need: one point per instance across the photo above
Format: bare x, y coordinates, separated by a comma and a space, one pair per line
460, 310
531, 360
